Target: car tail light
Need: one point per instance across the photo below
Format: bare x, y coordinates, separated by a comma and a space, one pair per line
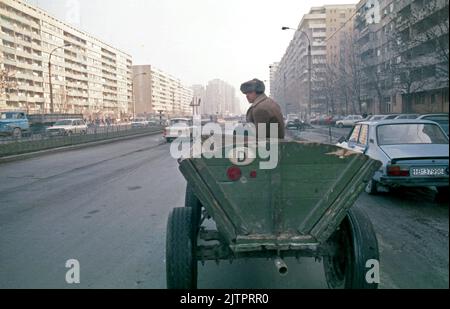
397, 171
234, 173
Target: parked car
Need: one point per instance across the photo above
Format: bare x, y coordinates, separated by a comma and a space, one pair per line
414, 153
441, 119
391, 116
178, 127
407, 116
296, 124
140, 123
68, 127
14, 124
349, 121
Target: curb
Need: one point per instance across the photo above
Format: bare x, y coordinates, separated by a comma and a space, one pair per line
35, 154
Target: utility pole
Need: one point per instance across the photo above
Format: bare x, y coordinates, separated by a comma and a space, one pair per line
52, 108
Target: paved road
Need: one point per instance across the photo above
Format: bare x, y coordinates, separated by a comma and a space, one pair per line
107, 207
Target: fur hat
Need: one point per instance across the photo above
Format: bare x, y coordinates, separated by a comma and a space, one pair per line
254, 85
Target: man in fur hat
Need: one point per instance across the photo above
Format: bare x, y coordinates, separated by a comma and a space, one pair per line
263, 109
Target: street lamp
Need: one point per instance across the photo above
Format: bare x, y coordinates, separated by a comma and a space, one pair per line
134, 97
52, 109
309, 66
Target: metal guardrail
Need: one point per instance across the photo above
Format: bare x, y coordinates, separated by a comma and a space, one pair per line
37, 142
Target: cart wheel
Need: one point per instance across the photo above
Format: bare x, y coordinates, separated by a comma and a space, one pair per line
191, 201
181, 245
355, 244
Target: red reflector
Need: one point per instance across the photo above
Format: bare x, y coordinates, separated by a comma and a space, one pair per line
253, 174
234, 173
396, 171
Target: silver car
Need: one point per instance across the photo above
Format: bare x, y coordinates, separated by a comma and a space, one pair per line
414, 153
441, 119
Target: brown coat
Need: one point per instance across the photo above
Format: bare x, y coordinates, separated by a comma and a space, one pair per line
265, 110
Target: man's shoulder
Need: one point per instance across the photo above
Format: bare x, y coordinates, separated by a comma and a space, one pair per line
269, 102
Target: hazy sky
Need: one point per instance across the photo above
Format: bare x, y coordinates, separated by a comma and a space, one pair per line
195, 40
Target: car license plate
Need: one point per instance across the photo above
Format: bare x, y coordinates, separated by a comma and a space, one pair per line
427, 171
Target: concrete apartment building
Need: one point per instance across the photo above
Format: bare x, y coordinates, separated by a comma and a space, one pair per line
88, 77
220, 99
290, 84
157, 92
403, 49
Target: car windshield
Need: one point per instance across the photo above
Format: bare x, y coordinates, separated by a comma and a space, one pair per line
401, 134
63, 123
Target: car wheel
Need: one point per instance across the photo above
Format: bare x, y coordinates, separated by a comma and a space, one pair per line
17, 133
372, 187
340, 126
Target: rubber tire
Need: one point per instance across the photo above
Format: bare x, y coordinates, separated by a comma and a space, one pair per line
361, 245
193, 202
181, 245
340, 126
372, 187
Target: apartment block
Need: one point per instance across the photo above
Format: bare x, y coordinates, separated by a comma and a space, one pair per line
221, 99
89, 76
403, 50
290, 85
157, 92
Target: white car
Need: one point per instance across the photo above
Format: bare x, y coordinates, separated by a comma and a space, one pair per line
178, 127
414, 153
349, 121
140, 123
68, 127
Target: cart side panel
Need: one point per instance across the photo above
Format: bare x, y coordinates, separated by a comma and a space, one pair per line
314, 176
300, 201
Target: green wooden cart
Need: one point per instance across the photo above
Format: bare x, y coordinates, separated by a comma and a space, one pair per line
302, 208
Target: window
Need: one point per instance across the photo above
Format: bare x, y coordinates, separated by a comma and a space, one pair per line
404, 134
364, 135
355, 134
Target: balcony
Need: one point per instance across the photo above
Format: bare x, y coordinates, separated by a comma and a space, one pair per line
76, 76
73, 41
28, 77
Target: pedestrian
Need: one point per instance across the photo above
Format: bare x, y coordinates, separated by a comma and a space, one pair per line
263, 109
